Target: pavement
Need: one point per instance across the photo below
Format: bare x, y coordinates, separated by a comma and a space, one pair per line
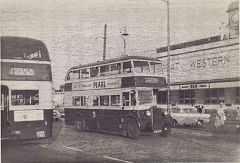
234, 137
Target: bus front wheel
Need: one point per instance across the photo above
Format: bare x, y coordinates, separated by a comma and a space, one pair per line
133, 130
166, 130
79, 124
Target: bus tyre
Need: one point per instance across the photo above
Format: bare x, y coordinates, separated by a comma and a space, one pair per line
79, 124
133, 130
175, 124
166, 130
199, 123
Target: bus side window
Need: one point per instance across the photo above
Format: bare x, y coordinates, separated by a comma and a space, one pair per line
76, 101
156, 67
115, 100
104, 70
115, 68
76, 74
125, 98
104, 100
127, 67
70, 75
95, 100
94, 71
85, 73
141, 66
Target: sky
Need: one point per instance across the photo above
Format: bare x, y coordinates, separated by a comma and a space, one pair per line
73, 29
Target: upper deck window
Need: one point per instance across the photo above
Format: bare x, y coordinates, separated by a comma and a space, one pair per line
94, 71
155, 67
104, 70
141, 66
73, 75
23, 49
85, 73
76, 74
127, 67
115, 68
32, 53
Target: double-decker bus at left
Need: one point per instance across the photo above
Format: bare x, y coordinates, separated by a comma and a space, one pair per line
26, 89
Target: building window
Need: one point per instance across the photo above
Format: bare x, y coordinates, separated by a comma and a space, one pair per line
104, 100
214, 96
162, 97
187, 97
115, 100
25, 97
95, 100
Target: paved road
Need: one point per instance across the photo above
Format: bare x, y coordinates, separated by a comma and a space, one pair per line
68, 145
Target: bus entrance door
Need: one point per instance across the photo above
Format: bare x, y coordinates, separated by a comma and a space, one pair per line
5, 131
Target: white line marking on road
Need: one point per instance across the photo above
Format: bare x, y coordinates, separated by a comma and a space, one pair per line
73, 149
44, 146
116, 159
34, 145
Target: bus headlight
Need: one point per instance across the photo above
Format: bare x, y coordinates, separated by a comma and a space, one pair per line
148, 113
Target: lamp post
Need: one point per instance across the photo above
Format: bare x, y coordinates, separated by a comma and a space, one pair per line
168, 57
123, 35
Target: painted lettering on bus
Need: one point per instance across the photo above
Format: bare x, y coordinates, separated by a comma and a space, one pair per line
213, 61
99, 84
19, 71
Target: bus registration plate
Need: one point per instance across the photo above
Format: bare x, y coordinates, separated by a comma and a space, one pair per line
40, 134
157, 131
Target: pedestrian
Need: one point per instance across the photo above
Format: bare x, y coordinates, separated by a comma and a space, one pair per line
220, 118
238, 114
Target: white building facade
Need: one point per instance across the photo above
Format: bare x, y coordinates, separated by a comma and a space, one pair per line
205, 71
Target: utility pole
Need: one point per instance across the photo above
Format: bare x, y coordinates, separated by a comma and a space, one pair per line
168, 58
104, 42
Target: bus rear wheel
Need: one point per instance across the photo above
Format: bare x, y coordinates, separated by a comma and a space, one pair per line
79, 124
133, 130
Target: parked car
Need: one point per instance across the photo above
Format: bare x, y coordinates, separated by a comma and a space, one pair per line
188, 116
58, 114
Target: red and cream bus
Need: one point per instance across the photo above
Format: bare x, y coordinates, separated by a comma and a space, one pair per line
26, 89
117, 95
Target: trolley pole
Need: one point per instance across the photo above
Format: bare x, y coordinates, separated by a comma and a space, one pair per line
104, 42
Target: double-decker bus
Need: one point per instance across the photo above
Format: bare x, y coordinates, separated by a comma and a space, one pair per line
117, 95
26, 89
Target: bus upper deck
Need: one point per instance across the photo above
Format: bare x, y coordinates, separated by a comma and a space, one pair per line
125, 66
